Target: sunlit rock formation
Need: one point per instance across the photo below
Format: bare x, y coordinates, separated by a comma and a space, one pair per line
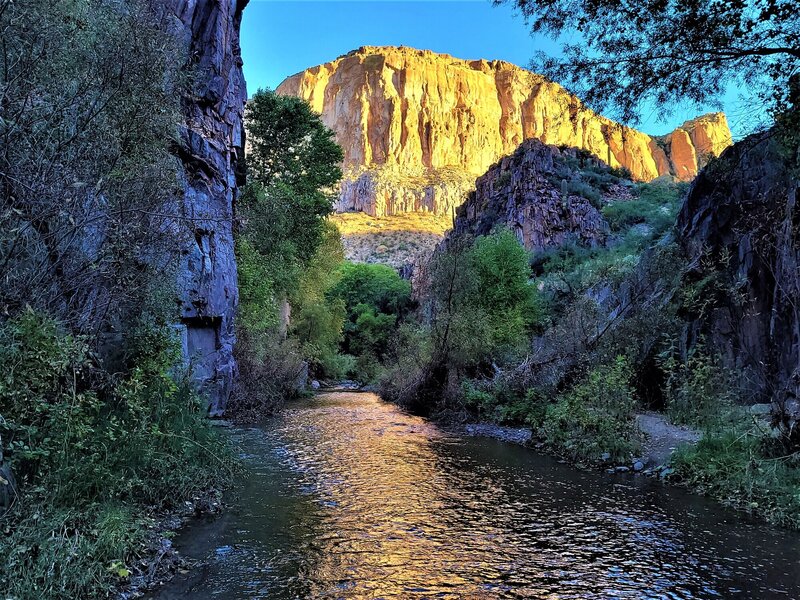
210, 148
410, 119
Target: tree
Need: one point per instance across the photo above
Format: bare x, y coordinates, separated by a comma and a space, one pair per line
293, 166
623, 52
286, 252
375, 299
290, 143
89, 104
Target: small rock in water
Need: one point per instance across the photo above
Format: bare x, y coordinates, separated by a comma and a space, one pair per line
315, 385
622, 469
638, 466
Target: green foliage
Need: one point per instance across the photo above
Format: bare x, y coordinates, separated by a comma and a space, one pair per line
90, 105
623, 54
699, 390
90, 450
734, 465
498, 402
483, 302
318, 318
375, 299
289, 144
504, 292
585, 190
375, 285
480, 307
287, 254
656, 207
258, 308
595, 416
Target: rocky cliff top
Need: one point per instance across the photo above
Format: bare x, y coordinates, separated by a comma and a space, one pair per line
416, 112
547, 196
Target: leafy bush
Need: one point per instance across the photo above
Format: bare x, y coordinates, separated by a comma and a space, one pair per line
581, 188
497, 401
479, 308
656, 207
90, 451
699, 390
595, 416
375, 300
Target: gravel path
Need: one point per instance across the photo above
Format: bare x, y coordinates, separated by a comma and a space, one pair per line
662, 437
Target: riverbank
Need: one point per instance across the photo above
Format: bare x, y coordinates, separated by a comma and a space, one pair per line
726, 463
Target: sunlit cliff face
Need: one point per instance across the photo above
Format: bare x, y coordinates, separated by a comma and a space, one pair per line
412, 120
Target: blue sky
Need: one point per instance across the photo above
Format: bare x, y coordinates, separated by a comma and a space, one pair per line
280, 38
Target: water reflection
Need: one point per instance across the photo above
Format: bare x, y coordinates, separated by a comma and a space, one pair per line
346, 497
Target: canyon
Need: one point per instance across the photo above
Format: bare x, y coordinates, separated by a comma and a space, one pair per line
418, 127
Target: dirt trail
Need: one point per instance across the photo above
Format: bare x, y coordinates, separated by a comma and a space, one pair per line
662, 437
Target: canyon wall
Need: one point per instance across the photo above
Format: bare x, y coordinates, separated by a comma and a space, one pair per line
740, 229
412, 116
210, 148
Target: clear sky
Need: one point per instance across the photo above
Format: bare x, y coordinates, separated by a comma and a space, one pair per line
281, 38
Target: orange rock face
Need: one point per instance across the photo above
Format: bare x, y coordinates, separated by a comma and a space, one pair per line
413, 114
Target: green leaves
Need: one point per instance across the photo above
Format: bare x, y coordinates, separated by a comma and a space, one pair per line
290, 144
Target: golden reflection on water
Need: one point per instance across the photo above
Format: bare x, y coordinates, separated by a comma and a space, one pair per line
348, 497
383, 484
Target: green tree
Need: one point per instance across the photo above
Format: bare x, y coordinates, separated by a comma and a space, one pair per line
289, 143
293, 166
375, 299
482, 303
286, 253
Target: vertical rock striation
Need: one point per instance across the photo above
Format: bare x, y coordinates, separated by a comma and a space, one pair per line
528, 194
211, 151
417, 118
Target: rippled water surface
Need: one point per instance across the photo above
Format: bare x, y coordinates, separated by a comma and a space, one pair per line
344, 496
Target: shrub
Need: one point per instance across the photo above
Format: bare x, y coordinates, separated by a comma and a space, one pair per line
594, 417
734, 465
699, 391
375, 300
91, 451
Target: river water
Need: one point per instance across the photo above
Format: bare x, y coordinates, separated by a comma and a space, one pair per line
345, 496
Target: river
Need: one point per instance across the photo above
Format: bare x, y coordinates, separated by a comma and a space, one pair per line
345, 496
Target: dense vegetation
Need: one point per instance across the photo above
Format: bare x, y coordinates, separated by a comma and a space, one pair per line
304, 311
100, 430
